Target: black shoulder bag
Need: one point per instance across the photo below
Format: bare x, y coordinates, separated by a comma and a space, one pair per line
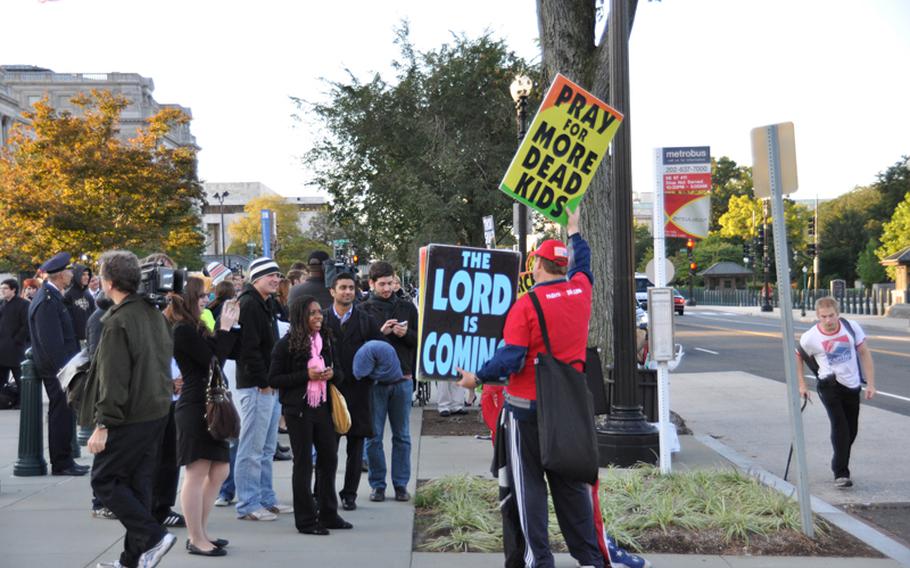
565, 414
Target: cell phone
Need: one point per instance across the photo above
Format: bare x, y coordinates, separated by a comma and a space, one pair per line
403, 323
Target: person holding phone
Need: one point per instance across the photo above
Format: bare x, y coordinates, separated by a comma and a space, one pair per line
302, 365
206, 459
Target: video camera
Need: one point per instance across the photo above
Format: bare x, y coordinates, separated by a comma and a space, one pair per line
158, 281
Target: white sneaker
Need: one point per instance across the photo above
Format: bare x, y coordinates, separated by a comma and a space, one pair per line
151, 557
112, 564
222, 502
259, 515
279, 509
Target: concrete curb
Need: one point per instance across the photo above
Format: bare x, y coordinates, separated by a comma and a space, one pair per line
862, 531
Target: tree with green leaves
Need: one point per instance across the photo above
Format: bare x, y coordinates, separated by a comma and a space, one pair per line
728, 180
68, 183
868, 268
846, 225
896, 235
417, 158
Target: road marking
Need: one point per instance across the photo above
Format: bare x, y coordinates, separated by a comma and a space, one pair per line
778, 336
707, 351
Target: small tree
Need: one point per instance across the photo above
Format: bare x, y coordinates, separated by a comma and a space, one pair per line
896, 235
868, 268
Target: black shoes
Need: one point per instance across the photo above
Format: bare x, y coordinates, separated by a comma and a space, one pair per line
217, 551
377, 495
282, 448
348, 503
282, 456
220, 542
338, 523
401, 494
316, 529
74, 470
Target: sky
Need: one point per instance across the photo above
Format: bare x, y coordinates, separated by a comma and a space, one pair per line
703, 72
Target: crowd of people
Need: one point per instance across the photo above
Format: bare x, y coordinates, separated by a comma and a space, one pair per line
290, 347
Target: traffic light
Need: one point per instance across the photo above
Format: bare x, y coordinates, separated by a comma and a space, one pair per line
811, 226
693, 268
355, 259
811, 250
760, 241
747, 250
690, 246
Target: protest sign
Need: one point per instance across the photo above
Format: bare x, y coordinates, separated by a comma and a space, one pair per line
465, 294
561, 152
525, 283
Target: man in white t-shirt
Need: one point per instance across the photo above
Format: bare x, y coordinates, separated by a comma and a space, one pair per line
839, 348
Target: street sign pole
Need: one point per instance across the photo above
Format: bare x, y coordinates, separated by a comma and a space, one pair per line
660, 281
776, 185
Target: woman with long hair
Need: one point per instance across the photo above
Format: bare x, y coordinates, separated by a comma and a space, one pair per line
282, 296
206, 459
224, 291
302, 365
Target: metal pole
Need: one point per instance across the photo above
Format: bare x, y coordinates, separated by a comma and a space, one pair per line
626, 438
521, 109
31, 425
802, 311
223, 251
786, 312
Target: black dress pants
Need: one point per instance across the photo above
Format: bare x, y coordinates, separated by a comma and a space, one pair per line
353, 465
16, 372
59, 426
307, 428
167, 474
842, 406
122, 478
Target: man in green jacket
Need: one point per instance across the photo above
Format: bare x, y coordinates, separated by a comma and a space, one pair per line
127, 399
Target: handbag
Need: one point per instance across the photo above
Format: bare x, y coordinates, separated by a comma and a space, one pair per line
221, 417
565, 414
341, 416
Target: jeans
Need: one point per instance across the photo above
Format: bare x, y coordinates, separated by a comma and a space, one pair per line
394, 401
842, 405
259, 414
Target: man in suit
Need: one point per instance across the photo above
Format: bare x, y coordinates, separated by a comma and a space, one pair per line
13, 331
352, 327
53, 344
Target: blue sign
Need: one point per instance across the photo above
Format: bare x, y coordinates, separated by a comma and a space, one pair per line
266, 217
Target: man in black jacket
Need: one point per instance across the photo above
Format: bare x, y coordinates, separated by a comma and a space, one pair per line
258, 404
79, 301
53, 344
351, 327
399, 327
314, 284
13, 332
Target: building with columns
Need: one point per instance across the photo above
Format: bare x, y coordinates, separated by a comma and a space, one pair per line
21, 86
238, 195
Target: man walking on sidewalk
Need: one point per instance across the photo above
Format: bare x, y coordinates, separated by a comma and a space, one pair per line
836, 350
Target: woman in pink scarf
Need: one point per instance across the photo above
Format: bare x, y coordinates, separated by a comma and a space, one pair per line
301, 368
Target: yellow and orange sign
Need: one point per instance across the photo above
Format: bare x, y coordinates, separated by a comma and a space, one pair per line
562, 150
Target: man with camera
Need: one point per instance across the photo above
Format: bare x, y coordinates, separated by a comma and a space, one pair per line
54, 343
836, 350
127, 398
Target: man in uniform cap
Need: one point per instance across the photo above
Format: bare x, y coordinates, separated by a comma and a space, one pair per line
314, 285
53, 344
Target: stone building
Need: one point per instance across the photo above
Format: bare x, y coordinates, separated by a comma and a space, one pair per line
238, 194
21, 86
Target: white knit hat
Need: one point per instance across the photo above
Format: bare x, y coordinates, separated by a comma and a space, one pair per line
262, 266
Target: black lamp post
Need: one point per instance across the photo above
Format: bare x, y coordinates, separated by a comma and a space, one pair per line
766, 261
520, 89
220, 197
627, 437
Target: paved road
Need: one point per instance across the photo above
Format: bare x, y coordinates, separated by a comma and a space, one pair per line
720, 340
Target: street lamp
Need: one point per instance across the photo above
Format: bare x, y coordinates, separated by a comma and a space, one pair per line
520, 90
220, 197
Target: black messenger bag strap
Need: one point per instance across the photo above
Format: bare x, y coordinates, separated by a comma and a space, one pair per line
543, 322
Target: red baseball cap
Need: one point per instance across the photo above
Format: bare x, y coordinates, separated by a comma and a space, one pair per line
553, 250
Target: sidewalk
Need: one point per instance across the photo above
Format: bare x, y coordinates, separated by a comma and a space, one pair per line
881, 322
45, 522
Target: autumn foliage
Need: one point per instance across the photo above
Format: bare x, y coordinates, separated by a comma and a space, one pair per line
69, 183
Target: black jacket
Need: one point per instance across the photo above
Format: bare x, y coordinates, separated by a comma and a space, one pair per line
51, 330
402, 310
258, 335
312, 287
289, 374
79, 301
13, 331
357, 330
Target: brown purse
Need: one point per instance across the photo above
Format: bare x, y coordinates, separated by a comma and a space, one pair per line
221, 416
341, 417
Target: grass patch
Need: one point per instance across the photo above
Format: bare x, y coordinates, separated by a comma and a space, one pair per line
460, 513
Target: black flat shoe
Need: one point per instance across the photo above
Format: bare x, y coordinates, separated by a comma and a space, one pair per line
220, 542
192, 549
338, 523
73, 470
315, 529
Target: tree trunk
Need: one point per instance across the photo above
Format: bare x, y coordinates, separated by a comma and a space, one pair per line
567, 42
